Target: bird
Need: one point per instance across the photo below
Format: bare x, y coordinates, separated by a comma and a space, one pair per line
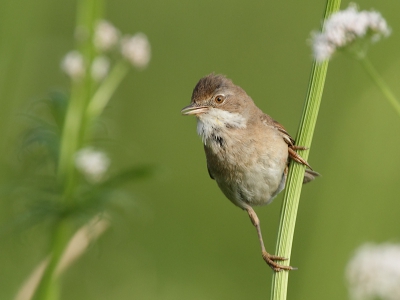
247, 151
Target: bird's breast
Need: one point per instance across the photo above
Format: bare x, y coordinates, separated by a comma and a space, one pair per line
247, 165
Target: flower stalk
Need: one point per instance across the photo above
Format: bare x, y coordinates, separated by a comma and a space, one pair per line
81, 169
377, 78
47, 285
296, 171
81, 91
71, 140
103, 94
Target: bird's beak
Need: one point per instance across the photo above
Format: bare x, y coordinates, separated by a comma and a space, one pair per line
192, 109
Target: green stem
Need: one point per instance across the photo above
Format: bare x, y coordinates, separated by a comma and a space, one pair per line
89, 11
106, 90
377, 78
296, 171
46, 287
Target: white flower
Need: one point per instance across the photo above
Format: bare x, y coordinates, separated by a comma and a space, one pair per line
92, 163
73, 65
105, 35
344, 27
374, 272
136, 49
100, 67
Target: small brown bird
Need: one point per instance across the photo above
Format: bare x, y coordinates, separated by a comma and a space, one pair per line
247, 151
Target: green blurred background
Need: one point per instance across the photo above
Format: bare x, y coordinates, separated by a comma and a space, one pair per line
181, 239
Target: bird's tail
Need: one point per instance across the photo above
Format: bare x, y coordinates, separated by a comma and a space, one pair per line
310, 175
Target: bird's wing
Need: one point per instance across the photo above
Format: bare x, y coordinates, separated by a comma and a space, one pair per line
286, 136
209, 173
291, 144
292, 147
266, 119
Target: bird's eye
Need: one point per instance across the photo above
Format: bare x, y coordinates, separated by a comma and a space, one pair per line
219, 99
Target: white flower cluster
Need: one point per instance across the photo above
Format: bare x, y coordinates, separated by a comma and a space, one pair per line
106, 36
135, 49
344, 27
92, 163
73, 65
100, 67
374, 272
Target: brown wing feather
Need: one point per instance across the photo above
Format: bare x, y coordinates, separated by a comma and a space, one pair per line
309, 173
286, 136
292, 147
209, 173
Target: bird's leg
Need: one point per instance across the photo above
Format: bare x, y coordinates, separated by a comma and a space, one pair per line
269, 259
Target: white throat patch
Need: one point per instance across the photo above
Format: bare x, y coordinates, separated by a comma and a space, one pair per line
217, 120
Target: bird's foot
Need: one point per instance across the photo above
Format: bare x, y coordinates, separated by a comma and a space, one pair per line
270, 260
295, 147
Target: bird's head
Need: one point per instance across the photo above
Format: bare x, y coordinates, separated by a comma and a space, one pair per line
218, 95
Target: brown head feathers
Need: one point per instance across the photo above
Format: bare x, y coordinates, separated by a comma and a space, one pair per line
207, 86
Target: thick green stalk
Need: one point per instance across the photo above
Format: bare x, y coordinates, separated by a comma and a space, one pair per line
89, 11
296, 171
377, 78
46, 287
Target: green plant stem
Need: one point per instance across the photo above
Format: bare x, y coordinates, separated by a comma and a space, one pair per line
296, 171
73, 132
89, 11
106, 90
45, 289
377, 78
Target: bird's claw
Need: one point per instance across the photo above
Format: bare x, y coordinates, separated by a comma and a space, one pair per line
270, 260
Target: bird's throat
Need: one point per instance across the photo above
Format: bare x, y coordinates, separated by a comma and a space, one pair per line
212, 125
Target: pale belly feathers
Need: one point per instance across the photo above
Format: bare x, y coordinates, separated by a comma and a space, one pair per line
246, 167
